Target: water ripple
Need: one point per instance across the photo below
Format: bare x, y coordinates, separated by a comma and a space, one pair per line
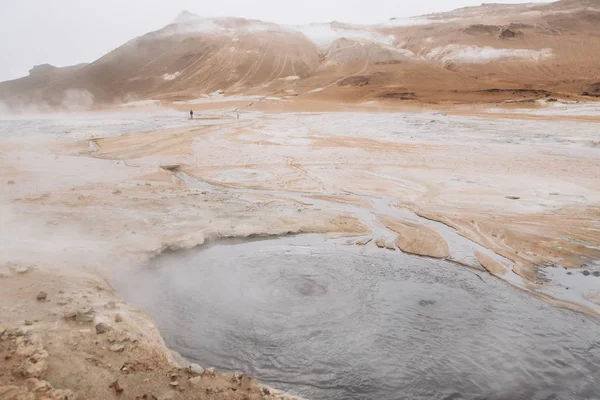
329, 322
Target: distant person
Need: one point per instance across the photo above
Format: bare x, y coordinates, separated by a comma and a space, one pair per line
191, 114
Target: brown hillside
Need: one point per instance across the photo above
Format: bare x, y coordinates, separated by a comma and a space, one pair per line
488, 53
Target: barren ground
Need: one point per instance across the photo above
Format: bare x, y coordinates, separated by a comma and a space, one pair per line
516, 196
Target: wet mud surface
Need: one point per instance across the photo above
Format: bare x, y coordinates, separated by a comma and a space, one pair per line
329, 321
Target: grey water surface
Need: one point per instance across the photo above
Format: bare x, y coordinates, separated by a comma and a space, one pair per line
328, 321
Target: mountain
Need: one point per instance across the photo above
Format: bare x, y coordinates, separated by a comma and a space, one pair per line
487, 53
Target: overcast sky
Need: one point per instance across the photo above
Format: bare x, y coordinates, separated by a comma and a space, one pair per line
67, 32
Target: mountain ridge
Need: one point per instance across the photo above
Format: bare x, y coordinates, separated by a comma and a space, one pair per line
462, 55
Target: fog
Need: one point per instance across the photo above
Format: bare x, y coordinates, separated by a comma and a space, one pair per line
68, 32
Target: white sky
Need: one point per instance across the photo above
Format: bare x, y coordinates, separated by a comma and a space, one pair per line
67, 32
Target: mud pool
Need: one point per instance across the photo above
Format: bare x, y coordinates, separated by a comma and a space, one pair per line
324, 320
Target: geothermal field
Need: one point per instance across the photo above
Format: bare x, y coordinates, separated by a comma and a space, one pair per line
408, 210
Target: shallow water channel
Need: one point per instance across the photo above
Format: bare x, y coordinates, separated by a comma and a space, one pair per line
324, 320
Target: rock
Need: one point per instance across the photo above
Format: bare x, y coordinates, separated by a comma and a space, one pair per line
41, 296
23, 270
117, 348
174, 383
390, 245
569, 273
513, 198
265, 390
102, 328
28, 322
118, 318
237, 377
380, 243
586, 273
85, 315
11, 182
425, 303
596, 273
195, 381
196, 369
209, 371
117, 386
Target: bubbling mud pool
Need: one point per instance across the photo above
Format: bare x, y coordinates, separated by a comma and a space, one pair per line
327, 321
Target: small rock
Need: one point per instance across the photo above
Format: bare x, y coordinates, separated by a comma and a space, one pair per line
28, 322
11, 182
23, 270
117, 348
196, 369
596, 273
85, 315
174, 383
425, 303
195, 381
238, 375
513, 197
118, 318
209, 371
380, 243
102, 328
586, 272
115, 385
569, 273
111, 305
41, 296
265, 390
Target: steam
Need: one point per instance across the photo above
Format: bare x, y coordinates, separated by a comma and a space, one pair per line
71, 100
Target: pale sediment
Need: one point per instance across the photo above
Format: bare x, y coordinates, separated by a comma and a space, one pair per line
89, 211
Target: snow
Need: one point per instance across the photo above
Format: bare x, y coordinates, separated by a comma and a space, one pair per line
291, 78
481, 55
